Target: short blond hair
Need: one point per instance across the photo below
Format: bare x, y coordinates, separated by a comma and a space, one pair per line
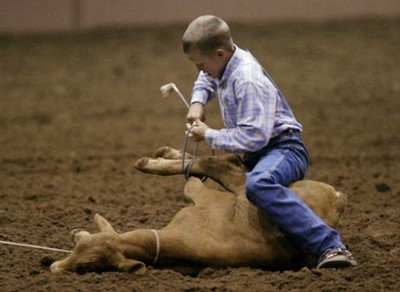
206, 34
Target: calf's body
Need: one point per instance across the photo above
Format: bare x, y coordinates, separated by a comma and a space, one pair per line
220, 228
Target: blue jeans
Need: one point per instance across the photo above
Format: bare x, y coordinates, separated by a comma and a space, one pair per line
272, 169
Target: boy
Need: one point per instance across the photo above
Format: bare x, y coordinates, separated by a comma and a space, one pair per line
260, 124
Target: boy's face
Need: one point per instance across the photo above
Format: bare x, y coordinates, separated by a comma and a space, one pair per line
213, 65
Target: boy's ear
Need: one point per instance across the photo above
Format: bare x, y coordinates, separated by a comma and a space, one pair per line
221, 52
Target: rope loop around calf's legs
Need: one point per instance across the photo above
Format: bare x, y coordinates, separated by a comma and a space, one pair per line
186, 170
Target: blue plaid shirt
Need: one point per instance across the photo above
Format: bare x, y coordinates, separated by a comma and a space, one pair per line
252, 107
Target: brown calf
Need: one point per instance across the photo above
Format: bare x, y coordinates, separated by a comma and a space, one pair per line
221, 228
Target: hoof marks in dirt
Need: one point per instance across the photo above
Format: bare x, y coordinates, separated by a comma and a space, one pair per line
46, 261
382, 188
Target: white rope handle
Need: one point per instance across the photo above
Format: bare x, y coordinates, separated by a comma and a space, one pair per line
168, 88
35, 246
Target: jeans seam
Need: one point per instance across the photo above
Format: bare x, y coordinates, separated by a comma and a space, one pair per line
278, 162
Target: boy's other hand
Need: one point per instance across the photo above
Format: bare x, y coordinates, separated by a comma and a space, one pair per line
197, 130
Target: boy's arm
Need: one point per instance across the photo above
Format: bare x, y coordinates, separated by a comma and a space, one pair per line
204, 89
196, 112
255, 119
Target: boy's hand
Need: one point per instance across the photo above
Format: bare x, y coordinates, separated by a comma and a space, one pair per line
196, 112
197, 132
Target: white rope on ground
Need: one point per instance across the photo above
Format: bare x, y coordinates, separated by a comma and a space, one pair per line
34, 246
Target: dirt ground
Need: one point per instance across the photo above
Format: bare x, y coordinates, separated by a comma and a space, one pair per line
76, 111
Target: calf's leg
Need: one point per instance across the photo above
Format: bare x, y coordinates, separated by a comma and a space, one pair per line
227, 170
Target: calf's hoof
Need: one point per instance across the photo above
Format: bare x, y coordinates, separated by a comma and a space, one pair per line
141, 163
77, 234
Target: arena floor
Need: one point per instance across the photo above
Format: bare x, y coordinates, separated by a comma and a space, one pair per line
76, 111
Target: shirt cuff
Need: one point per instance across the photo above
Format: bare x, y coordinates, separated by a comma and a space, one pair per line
209, 136
199, 96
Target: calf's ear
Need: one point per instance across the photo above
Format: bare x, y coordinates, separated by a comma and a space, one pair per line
132, 266
102, 224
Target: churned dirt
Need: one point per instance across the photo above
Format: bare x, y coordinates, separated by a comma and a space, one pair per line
76, 111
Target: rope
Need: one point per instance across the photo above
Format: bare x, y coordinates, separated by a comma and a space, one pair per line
186, 170
34, 246
165, 90
157, 245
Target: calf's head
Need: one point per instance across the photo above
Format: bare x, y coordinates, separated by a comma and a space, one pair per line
97, 252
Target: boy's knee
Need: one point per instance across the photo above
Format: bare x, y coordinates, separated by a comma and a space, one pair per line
254, 185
